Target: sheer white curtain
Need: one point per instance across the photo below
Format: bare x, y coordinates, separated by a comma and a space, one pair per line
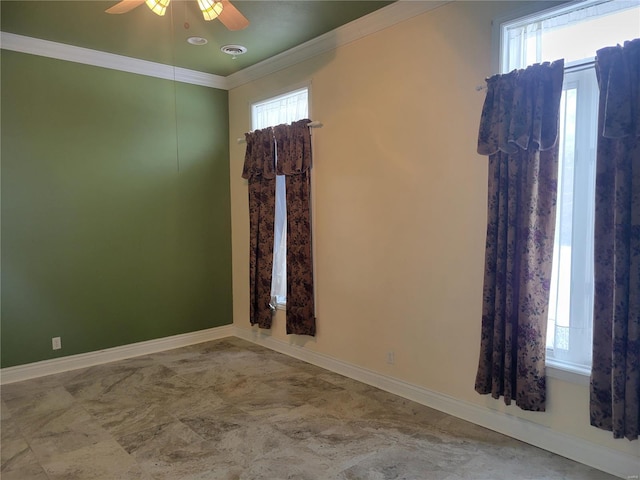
278, 110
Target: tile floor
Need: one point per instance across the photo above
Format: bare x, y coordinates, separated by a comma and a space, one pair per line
230, 409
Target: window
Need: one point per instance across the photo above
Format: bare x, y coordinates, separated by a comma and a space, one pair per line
274, 111
575, 33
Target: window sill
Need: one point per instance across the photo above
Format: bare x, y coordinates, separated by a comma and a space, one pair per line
568, 372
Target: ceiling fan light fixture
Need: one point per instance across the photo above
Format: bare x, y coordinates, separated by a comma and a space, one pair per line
210, 9
159, 7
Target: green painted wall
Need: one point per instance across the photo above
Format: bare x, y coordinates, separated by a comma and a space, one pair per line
115, 208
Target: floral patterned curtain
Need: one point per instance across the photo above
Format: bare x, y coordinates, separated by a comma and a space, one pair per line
294, 161
615, 374
519, 131
259, 169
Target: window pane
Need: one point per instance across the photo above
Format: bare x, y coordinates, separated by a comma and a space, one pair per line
559, 301
279, 271
580, 40
571, 299
574, 33
285, 108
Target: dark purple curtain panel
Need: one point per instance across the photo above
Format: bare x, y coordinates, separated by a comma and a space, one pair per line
294, 161
259, 170
519, 132
615, 374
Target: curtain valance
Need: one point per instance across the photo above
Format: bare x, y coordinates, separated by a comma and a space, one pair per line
619, 79
281, 150
521, 110
259, 159
294, 147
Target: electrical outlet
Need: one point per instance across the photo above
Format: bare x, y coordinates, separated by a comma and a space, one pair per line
391, 357
56, 343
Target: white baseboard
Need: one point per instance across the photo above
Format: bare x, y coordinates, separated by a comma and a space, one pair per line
83, 360
611, 461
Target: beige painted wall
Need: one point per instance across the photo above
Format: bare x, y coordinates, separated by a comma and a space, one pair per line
400, 206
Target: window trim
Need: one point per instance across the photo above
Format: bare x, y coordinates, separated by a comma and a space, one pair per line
567, 372
522, 13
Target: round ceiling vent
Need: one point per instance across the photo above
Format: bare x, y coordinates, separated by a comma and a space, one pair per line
233, 50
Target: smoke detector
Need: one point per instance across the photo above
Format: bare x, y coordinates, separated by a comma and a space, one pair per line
233, 50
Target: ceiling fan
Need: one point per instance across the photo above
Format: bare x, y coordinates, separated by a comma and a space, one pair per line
229, 15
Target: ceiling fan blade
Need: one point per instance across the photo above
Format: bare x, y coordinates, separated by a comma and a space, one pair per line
231, 17
124, 6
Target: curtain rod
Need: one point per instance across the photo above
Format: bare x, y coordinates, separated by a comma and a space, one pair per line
314, 124
574, 66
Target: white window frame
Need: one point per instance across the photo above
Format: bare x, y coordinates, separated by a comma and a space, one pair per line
583, 81
280, 224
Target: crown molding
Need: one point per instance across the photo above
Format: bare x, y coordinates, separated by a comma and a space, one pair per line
71, 53
378, 20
